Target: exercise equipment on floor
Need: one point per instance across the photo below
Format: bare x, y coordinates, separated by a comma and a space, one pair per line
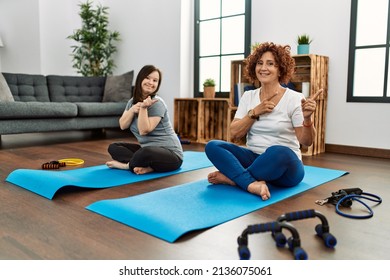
293, 242
72, 161
346, 197
56, 164
322, 230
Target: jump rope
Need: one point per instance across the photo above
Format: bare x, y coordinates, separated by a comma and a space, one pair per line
56, 164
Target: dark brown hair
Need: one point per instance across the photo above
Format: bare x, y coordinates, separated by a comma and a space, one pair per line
142, 74
283, 60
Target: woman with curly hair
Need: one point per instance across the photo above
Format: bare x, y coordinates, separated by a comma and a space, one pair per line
146, 114
275, 120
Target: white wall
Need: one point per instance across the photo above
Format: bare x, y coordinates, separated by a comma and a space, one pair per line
19, 29
161, 33
57, 20
150, 32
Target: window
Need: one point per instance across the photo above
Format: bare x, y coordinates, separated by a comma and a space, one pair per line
368, 69
222, 34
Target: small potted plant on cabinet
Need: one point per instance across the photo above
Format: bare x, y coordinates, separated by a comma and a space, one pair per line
304, 42
209, 88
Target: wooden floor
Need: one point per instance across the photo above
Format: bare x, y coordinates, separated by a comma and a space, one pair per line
33, 227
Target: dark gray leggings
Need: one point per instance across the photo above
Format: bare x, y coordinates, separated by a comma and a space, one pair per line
159, 158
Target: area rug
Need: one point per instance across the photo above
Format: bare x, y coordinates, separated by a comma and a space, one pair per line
47, 182
170, 213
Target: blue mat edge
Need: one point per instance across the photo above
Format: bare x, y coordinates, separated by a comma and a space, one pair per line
49, 194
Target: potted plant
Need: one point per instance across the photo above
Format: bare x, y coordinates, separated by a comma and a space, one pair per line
92, 56
304, 42
209, 88
255, 45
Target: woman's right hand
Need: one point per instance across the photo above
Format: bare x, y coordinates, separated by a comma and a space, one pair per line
128, 115
266, 106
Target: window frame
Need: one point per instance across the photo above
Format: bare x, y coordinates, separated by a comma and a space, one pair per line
198, 92
351, 63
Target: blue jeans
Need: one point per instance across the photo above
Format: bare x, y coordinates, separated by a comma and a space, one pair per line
278, 166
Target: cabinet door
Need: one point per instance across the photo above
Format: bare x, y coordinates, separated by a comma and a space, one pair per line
214, 119
186, 115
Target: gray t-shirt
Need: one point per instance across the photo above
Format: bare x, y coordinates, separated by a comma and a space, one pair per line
163, 135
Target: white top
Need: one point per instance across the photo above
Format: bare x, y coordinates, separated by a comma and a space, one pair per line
277, 127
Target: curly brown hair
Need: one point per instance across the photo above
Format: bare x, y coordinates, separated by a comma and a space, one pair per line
283, 60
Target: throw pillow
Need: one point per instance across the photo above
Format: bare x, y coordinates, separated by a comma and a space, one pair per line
5, 92
118, 88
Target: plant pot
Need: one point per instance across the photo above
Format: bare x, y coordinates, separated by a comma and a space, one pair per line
303, 49
208, 92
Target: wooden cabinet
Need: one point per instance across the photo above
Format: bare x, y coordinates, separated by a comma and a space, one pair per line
237, 78
313, 69
186, 118
203, 119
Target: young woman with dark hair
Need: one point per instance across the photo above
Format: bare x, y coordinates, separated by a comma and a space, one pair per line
146, 114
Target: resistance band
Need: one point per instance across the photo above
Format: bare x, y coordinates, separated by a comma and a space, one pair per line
345, 198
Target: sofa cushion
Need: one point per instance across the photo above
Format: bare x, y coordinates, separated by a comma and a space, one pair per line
89, 109
37, 125
27, 87
5, 92
118, 88
75, 88
37, 110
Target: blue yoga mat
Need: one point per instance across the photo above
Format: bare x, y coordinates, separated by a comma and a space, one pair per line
170, 213
46, 183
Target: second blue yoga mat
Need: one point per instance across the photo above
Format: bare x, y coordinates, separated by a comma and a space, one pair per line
170, 213
46, 183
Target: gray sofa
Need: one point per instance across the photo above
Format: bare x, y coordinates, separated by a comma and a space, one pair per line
56, 103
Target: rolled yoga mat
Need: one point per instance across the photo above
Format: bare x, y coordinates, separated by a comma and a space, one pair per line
47, 182
172, 212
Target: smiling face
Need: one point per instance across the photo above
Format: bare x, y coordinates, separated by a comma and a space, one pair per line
267, 70
150, 84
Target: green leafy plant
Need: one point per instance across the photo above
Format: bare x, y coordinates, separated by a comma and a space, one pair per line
255, 45
93, 54
209, 83
304, 39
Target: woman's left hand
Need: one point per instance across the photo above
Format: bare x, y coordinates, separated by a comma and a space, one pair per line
309, 105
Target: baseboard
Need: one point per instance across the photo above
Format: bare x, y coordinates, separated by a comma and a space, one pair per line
359, 151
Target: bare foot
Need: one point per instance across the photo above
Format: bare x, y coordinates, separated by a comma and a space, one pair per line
117, 164
217, 177
142, 170
260, 188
